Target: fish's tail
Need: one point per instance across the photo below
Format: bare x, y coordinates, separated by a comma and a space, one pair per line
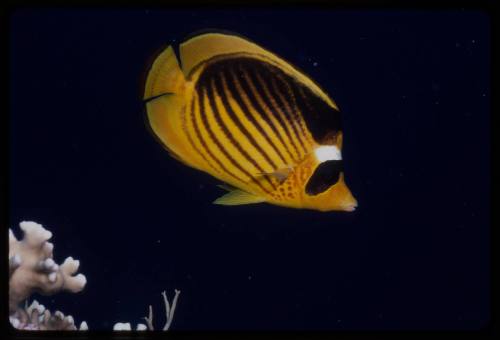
164, 77
164, 96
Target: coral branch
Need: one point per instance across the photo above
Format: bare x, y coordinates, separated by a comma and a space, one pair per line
37, 317
169, 314
32, 269
149, 319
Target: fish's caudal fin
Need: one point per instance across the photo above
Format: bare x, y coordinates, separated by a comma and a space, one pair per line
164, 76
238, 197
164, 94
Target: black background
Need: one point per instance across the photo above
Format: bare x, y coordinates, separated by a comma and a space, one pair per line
413, 89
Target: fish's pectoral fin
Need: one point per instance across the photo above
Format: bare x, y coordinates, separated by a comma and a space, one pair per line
238, 197
280, 174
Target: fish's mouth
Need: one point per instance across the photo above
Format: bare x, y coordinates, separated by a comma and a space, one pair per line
351, 206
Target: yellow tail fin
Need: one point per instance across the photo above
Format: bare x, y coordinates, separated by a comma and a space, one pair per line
165, 75
165, 101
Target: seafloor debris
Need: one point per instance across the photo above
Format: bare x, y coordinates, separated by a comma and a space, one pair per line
32, 269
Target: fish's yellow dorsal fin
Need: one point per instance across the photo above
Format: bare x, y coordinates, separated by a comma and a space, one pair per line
205, 46
238, 197
164, 76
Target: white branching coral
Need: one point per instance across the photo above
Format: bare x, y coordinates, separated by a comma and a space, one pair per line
37, 317
32, 269
169, 316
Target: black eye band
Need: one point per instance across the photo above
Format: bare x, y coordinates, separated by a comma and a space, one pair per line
325, 175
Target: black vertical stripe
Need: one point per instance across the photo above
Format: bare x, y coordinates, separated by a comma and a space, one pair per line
266, 97
282, 90
221, 80
303, 98
295, 109
190, 139
275, 92
202, 112
260, 110
321, 119
213, 107
234, 85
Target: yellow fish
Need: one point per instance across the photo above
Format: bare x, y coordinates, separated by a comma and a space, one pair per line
252, 120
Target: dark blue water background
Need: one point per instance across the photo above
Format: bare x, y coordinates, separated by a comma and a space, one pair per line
413, 88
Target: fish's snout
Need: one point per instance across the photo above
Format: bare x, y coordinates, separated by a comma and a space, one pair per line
350, 206
350, 203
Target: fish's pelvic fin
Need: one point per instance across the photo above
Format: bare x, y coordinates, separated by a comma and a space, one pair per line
226, 187
238, 197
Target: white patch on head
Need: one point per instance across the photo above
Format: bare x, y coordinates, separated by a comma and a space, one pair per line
327, 153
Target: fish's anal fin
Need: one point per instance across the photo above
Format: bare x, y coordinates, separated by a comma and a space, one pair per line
238, 197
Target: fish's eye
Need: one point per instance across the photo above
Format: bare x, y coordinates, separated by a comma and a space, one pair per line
325, 175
